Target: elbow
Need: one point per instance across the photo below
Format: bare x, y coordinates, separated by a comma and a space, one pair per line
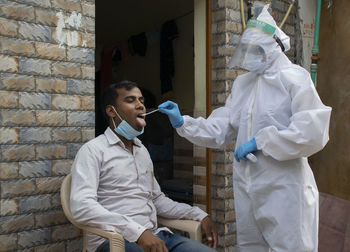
75, 209
318, 141
78, 210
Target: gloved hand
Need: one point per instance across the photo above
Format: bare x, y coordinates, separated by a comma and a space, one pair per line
172, 110
244, 149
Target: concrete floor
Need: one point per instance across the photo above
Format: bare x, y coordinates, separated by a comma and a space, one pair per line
334, 230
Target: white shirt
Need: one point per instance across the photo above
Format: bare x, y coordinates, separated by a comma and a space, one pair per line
116, 190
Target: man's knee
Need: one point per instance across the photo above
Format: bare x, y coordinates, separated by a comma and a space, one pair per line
191, 245
132, 247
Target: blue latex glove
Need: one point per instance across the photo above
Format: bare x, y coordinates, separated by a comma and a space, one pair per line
244, 149
172, 110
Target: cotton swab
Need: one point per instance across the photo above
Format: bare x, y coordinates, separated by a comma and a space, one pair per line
150, 112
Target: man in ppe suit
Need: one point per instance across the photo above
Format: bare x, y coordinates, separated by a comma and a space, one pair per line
274, 113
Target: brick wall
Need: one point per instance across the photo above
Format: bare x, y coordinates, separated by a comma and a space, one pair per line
226, 31
291, 28
46, 114
199, 171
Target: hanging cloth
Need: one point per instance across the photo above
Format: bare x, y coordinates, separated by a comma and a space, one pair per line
167, 65
107, 61
138, 44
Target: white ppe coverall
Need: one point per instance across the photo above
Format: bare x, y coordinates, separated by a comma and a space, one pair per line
276, 198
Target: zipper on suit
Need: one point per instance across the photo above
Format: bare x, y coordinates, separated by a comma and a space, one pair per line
251, 112
250, 128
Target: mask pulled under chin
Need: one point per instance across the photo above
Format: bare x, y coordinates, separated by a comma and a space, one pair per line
125, 129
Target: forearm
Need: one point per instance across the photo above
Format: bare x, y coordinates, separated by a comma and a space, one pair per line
213, 132
306, 135
170, 209
91, 213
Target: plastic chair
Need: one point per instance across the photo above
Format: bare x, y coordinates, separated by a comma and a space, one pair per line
116, 240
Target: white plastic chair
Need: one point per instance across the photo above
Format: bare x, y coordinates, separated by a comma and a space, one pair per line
193, 228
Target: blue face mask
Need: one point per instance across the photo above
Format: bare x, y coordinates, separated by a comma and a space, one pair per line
124, 129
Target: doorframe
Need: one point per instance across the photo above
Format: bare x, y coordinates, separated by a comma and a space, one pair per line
208, 98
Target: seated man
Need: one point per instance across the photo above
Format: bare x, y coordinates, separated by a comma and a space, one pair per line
113, 186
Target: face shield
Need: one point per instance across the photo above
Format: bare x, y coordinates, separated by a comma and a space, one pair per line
257, 41
250, 57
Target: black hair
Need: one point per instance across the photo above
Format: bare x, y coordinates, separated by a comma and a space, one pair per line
110, 94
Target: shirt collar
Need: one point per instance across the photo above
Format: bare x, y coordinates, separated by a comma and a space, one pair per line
112, 138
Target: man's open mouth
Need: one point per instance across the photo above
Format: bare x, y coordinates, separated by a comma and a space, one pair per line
140, 120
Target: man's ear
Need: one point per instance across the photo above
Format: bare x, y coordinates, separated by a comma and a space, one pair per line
110, 111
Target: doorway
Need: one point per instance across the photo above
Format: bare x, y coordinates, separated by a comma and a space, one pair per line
152, 44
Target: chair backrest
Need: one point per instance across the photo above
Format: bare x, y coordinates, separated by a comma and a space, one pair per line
65, 201
65, 198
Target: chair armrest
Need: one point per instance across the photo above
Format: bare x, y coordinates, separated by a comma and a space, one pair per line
116, 240
192, 227
101, 232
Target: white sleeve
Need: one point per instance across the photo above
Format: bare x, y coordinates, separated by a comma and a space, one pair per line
216, 131
171, 209
83, 200
307, 132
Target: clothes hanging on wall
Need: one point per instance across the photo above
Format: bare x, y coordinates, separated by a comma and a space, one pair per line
153, 37
112, 54
107, 61
168, 33
138, 44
